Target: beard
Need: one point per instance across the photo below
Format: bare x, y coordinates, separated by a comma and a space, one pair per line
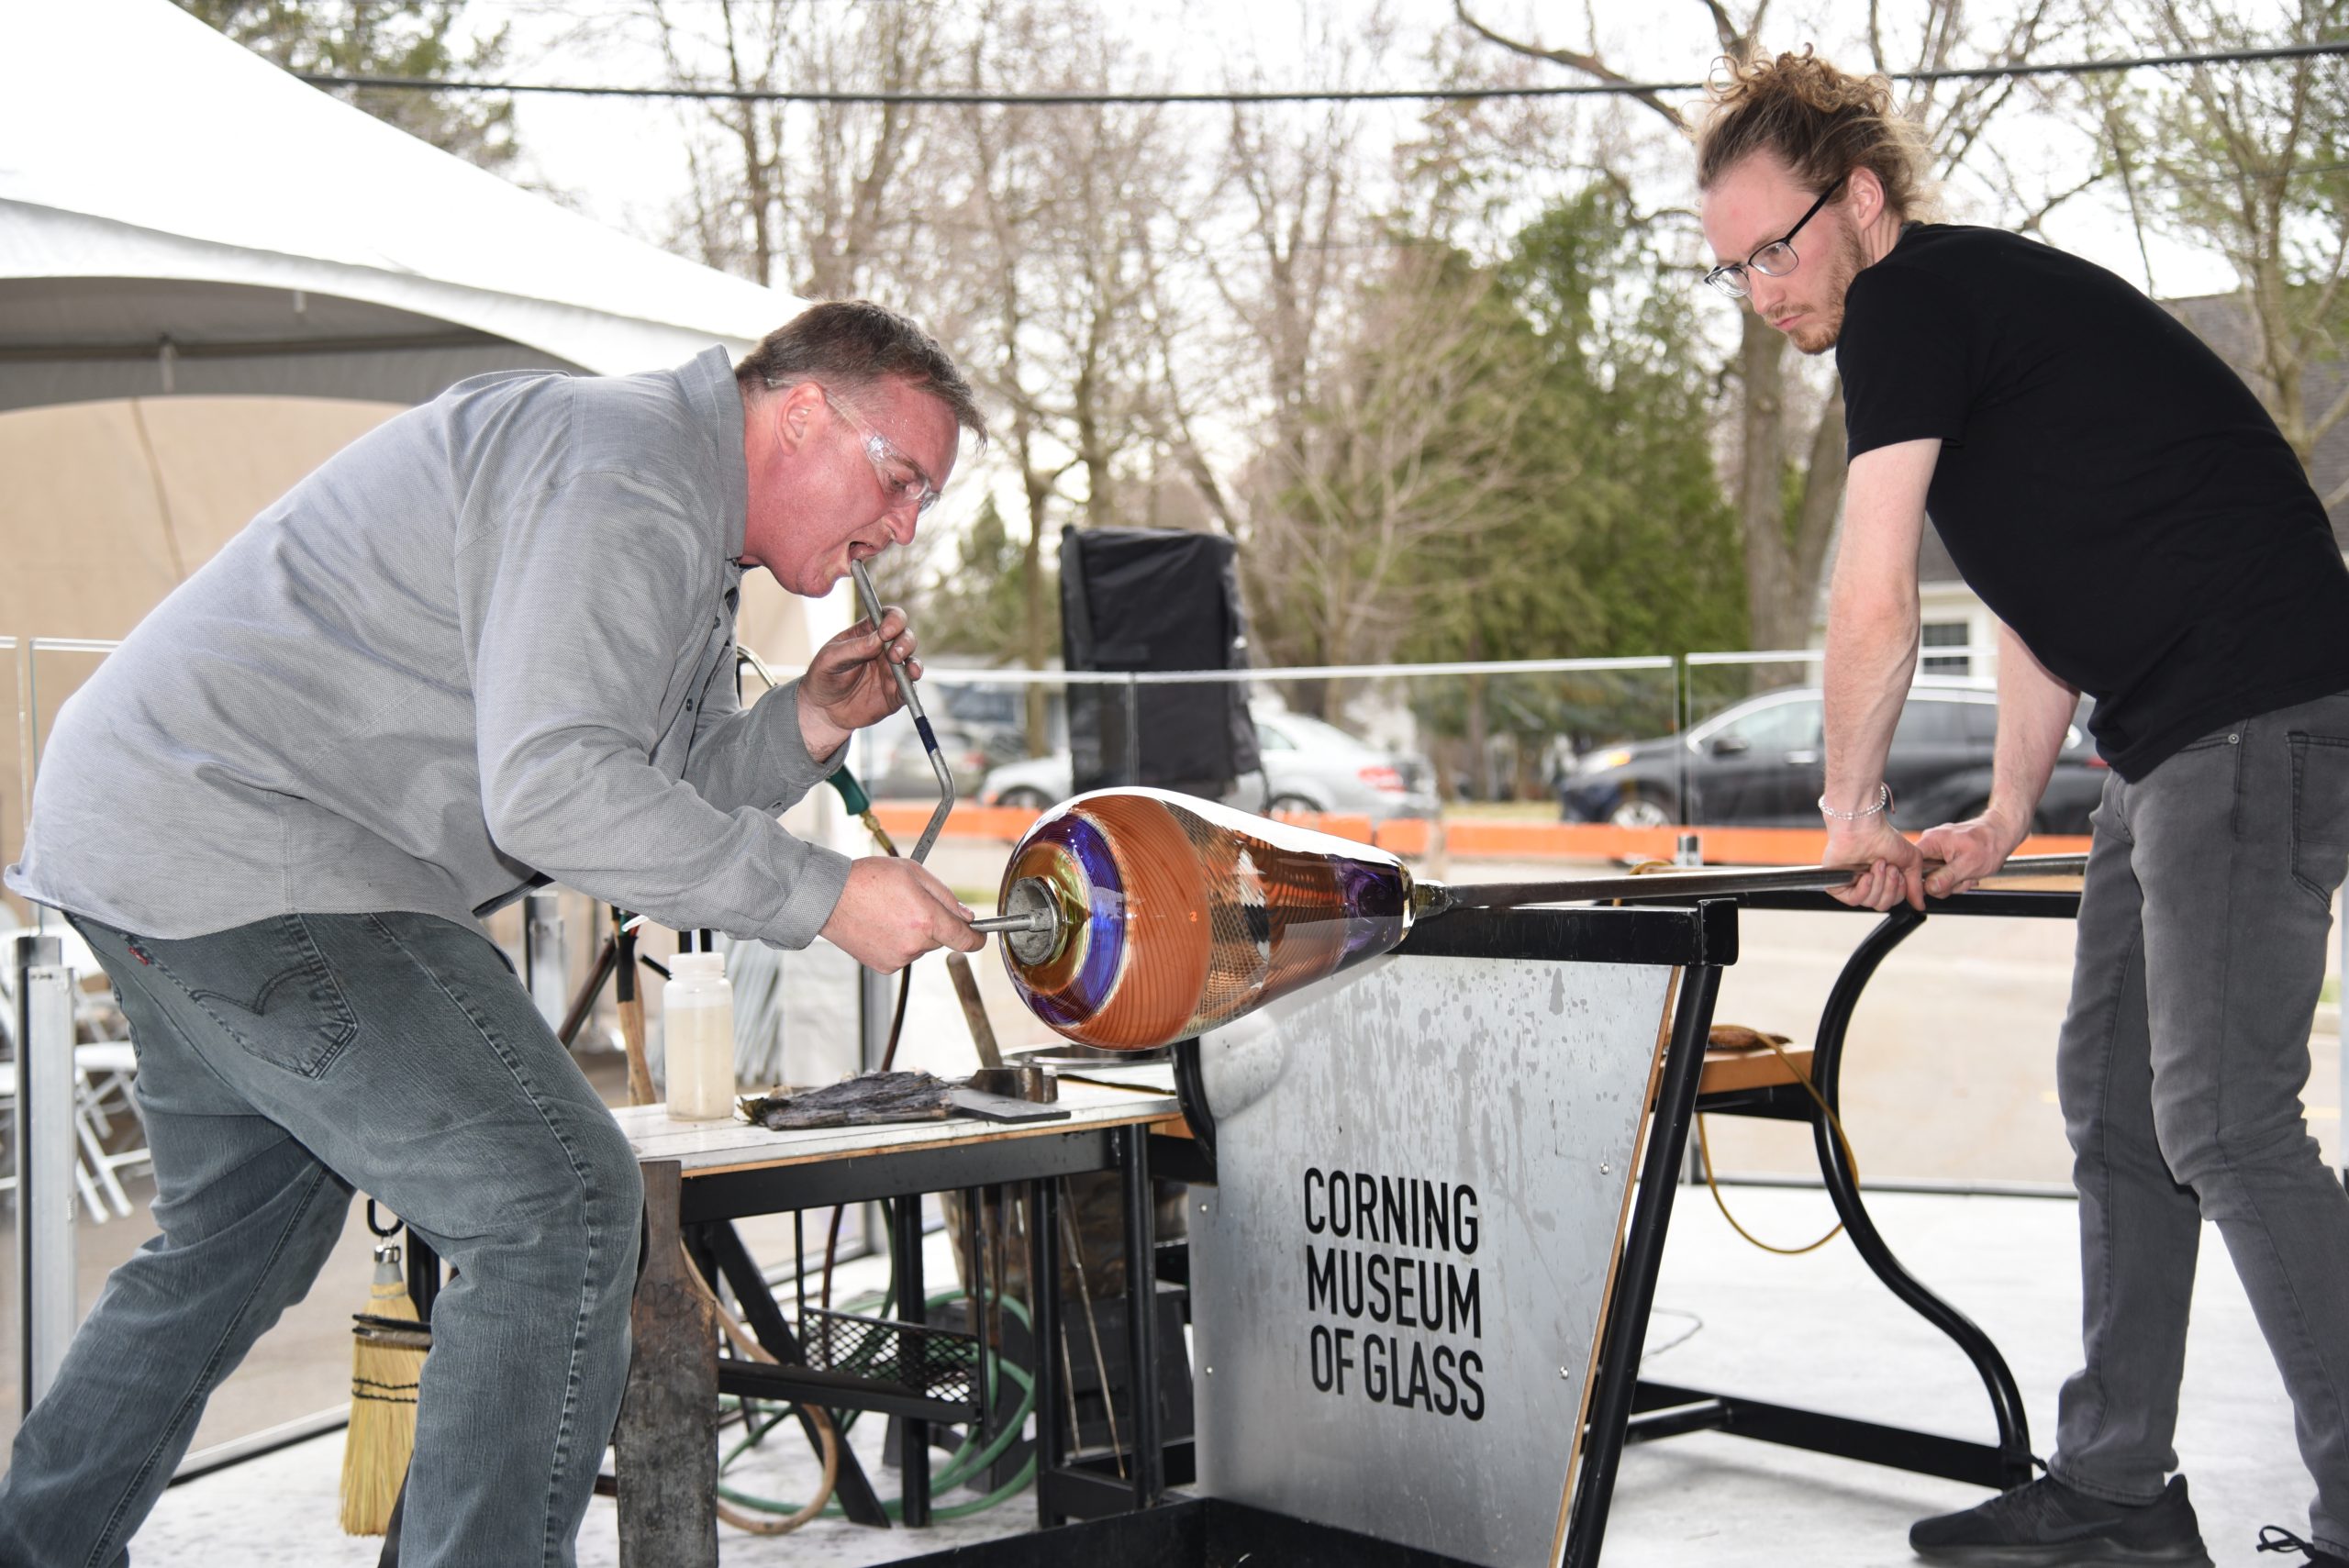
1826, 324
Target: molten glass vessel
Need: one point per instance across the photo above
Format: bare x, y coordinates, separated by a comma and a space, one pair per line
1174, 915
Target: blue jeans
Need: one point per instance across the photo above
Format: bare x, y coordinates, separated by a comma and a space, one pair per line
2201, 952
281, 1065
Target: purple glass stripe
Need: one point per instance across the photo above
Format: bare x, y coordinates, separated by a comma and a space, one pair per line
1088, 991
1373, 899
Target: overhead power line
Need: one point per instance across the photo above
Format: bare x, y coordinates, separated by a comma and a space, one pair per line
1303, 95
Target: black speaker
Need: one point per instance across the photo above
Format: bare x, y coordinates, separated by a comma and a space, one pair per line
1147, 600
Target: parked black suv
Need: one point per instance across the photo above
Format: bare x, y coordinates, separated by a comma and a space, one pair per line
1758, 764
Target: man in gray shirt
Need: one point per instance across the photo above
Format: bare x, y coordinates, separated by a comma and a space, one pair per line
487, 645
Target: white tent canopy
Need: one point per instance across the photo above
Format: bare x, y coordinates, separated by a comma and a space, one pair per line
196, 248
179, 216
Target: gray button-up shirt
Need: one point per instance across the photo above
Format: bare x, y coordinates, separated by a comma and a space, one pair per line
487, 643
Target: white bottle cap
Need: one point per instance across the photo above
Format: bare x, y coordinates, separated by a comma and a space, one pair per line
698, 965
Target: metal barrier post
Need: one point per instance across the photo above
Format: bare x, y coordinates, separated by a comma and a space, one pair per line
47, 1290
22, 675
1132, 759
874, 1005
545, 970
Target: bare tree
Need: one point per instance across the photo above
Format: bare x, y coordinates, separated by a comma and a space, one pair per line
809, 197
1058, 216
1007, 189
1410, 438
1780, 447
1278, 250
387, 38
2248, 157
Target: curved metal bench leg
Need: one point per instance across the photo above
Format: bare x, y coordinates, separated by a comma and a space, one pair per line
1844, 1188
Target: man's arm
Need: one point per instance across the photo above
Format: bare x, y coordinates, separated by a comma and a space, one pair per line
756, 755
789, 741
577, 612
1871, 654
768, 755
2034, 713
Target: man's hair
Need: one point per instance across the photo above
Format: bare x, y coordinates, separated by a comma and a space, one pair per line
1817, 121
853, 343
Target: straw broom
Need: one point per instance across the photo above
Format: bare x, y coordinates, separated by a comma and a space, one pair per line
387, 1361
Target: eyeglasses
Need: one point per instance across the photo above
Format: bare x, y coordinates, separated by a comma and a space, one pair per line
1775, 259
886, 457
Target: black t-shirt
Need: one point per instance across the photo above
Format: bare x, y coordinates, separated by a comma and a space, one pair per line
2111, 488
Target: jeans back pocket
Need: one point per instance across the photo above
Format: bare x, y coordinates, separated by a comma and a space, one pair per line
2320, 811
267, 986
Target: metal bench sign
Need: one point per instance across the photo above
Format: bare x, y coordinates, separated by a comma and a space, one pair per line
1424, 1167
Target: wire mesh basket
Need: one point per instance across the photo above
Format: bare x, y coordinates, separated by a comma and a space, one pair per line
936, 1364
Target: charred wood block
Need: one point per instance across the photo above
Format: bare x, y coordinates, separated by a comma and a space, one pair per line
868, 1098
667, 1435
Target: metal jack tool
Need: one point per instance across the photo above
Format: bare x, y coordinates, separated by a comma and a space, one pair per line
921, 721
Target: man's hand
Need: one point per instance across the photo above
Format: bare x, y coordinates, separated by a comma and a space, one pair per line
848, 685
1968, 850
893, 911
1889, 867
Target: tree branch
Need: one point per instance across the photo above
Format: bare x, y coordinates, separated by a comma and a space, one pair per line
1590, 64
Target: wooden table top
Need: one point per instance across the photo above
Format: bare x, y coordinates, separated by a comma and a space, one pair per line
706, 1148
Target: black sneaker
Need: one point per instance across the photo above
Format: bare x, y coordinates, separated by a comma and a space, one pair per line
2276, 1537
2049, 1525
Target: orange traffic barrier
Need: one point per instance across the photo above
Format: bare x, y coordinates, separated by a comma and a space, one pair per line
904, 821
1405, 835
1337, 824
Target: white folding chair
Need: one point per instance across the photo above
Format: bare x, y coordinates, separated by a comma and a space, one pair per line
104, 1074
103, 1071
85, 1179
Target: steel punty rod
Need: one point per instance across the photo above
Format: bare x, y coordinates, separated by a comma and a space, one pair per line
1032, 921
1442, 897
1700, 883
921, 721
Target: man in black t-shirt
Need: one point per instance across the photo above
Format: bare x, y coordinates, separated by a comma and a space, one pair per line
2126, 508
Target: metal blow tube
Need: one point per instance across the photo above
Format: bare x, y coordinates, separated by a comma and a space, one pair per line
921, 721
1435, 898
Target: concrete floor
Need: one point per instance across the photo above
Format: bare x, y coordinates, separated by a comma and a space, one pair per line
1816, 1331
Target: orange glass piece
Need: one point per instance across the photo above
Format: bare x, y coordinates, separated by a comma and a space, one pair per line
1178, 915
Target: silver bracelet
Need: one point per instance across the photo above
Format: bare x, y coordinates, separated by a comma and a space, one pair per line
1882, 804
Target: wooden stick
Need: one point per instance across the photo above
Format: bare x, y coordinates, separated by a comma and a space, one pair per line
631, 1008
666, 1440
974, 1012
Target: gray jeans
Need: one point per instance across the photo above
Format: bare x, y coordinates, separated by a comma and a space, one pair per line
282, 1064
2201, 948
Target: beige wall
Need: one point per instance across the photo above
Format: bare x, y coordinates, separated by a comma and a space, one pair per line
104, 508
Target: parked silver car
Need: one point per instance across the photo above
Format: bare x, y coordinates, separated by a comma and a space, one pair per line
1309, 766
892, 765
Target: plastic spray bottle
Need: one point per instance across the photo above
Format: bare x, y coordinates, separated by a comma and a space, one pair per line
698, 1012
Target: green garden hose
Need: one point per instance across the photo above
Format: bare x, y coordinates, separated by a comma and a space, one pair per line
960, 1466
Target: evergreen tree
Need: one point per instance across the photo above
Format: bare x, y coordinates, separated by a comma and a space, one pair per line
977, 603
385, 37
1613, 537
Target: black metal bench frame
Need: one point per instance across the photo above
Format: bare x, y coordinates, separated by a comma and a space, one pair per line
1661, 1409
